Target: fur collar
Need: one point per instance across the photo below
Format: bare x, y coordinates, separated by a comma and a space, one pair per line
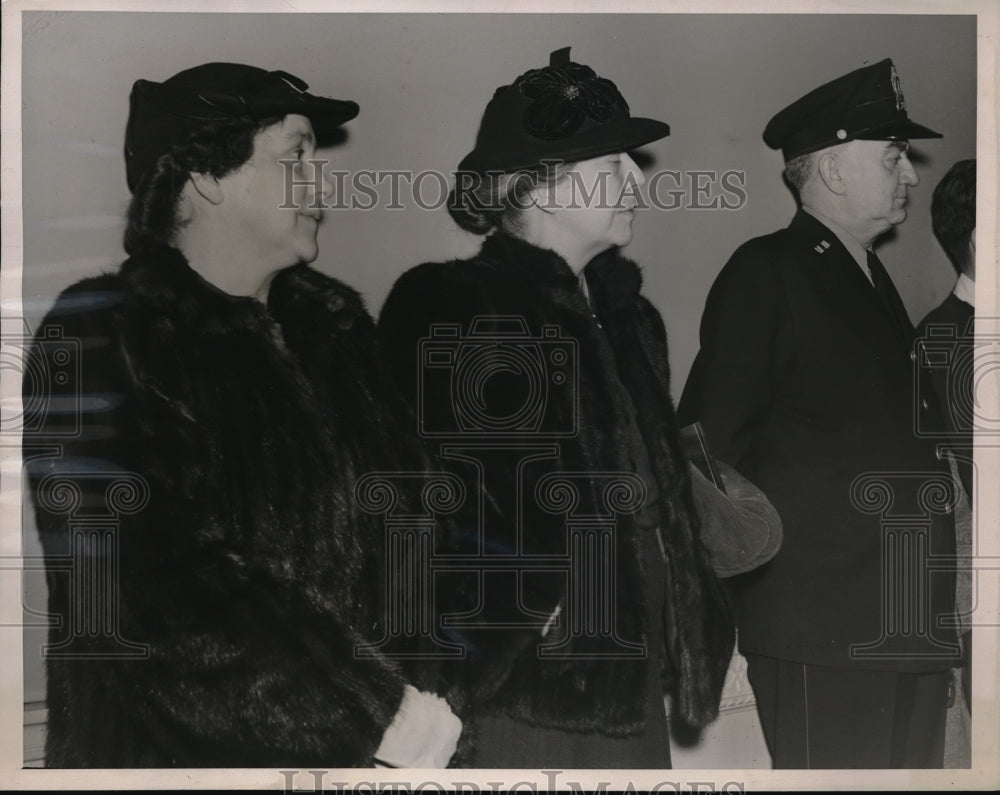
162, 279
613, 280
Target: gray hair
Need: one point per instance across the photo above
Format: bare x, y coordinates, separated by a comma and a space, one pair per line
480, 203
799, 170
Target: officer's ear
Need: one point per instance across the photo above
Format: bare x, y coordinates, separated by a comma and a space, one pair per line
207, 187
828, 167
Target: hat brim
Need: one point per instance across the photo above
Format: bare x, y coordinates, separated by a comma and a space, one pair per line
325, 113
897, 130
619, 136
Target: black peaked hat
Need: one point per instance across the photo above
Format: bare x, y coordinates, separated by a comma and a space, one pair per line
866, 104
161, 113
563, 111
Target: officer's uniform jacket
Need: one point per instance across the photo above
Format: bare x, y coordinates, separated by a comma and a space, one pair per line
805, 386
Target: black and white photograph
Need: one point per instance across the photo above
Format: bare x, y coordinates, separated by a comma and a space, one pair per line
556, 397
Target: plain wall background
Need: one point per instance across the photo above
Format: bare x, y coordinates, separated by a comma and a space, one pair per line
422, 82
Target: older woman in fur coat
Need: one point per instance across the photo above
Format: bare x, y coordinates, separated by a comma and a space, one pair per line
539, 359
204, 452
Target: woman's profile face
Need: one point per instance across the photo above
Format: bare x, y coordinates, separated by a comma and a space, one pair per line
271, 199
594, 202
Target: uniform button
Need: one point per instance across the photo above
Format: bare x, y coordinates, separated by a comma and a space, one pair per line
924, 404
913, 356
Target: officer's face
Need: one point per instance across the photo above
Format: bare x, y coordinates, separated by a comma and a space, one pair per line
877, 175
269, 203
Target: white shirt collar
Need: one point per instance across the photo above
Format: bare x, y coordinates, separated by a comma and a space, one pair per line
965, 290
854, 248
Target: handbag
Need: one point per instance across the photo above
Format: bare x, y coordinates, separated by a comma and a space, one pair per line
739, 527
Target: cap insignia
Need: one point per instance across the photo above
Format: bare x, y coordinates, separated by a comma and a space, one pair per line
897, 90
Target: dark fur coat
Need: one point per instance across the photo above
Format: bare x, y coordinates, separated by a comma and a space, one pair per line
241, 576
504, 673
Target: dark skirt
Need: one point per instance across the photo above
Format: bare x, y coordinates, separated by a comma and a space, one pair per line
505, 742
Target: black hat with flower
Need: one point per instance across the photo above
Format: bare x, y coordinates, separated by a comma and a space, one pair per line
563, 111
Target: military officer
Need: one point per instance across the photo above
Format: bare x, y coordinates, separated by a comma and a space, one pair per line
804, 383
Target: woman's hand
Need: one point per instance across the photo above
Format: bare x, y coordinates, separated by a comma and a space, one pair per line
424, 732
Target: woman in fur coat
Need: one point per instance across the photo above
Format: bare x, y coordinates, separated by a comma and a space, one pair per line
204, 454
539, 359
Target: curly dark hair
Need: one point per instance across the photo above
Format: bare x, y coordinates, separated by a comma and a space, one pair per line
953, 212
216, 148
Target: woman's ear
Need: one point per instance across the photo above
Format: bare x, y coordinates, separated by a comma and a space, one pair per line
208, 187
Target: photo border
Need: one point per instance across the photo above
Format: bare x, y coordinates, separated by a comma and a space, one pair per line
986, 744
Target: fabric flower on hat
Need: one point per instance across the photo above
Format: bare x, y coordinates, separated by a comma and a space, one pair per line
564, 97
